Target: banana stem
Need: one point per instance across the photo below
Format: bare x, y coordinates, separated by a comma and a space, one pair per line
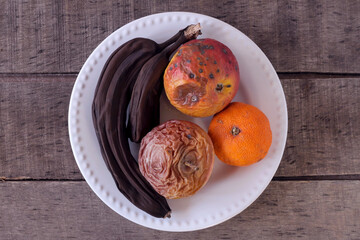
193, 31
190, 32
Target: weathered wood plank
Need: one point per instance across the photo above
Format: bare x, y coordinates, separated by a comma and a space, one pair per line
324, 127
297, 36
286, 210
323, 136
55, 36
34, 139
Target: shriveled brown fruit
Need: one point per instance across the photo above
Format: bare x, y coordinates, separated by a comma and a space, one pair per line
176, 158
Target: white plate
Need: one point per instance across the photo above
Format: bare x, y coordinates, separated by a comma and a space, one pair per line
230, 189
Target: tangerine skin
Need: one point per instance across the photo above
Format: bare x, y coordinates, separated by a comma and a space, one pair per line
202, 77
241, 134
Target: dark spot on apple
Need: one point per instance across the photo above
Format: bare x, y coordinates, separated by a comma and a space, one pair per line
188, 136
215, 62
200, 70
224, 50
219, 87
191, 75
211, 75
201, 63
228, 86
217, 70
189, 61
204, 47
171, 68
175, 65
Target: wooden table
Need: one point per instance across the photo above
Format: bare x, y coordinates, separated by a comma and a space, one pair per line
313, 45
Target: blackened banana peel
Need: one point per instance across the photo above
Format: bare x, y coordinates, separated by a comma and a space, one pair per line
144, 108
111, 99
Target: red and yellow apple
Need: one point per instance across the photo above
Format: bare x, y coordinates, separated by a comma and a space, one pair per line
202, 77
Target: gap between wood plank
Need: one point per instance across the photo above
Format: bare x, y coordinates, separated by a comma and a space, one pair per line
26, 179
317, 75
5, 74
276, 179
317, 178
282, 75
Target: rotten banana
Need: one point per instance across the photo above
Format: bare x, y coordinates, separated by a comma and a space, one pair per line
144, 107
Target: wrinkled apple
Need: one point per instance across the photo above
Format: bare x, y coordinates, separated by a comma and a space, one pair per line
176, 158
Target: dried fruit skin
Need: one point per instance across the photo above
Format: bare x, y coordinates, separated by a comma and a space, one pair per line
176, 158
202, 77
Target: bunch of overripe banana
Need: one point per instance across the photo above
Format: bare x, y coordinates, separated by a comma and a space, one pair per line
133, 74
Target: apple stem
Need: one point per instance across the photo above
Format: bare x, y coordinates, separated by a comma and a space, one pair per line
191, 165
219, 87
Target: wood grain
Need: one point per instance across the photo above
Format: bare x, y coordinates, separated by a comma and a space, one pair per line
55, 36
34, 138
316, 191
286, 210
297, 36
323, 135
324, 127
